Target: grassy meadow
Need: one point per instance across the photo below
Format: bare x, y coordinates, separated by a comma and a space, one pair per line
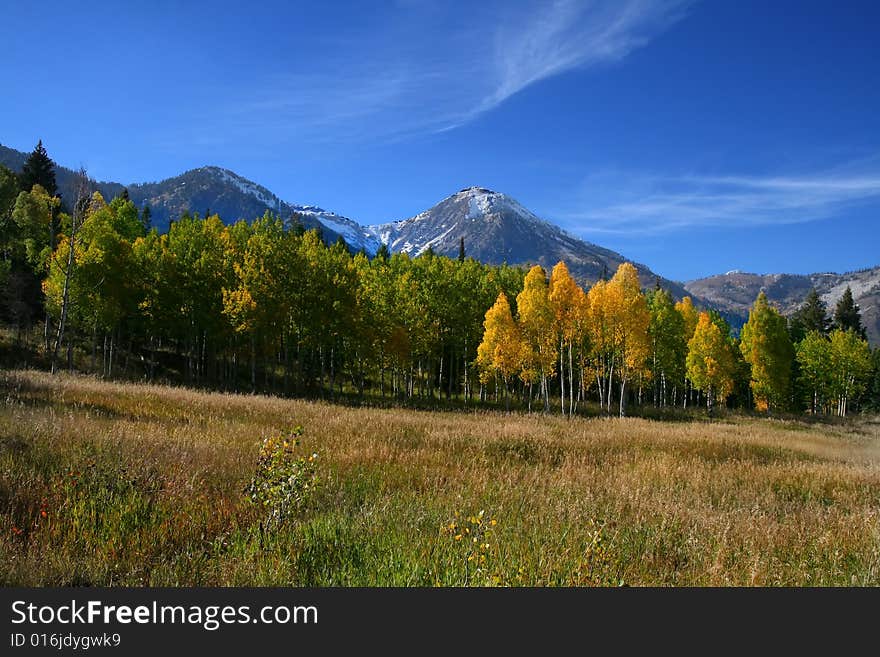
124, 484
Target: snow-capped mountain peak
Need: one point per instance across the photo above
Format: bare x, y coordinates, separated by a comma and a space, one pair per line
497, 228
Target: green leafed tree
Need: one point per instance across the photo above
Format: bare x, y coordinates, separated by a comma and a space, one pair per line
815, 369
851, 367
668, 345
710, 361
33, 215
767, 348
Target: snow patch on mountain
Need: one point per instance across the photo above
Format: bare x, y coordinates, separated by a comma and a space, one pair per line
356, 236
245, 186
437, 240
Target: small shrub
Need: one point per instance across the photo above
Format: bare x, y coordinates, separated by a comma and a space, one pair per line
285, 480
473, 538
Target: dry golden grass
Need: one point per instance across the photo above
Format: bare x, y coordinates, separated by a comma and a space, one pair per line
143, 485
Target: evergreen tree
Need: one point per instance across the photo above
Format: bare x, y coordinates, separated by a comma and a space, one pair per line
461, 249
296, 224
847, 315
39, 169
872, 402
382, 253
8, 230
146, 218
9, 189
10, 239
811, 316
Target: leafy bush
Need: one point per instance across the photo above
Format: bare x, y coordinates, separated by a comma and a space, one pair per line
285, 480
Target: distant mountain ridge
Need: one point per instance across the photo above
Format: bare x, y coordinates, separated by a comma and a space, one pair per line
734, 292
216, 190
495, 227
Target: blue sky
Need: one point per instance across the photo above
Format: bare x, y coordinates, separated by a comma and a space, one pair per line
696, 137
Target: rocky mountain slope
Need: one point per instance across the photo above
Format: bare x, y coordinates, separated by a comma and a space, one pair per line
734, 292
497, 229
215, 190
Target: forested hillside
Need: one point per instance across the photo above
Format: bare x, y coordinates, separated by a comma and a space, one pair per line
207, 190
265, 305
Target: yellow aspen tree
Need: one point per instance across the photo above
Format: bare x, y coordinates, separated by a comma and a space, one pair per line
582, 342
629, 317
565, 299
528, 373
601, 338
500, 352
710, 363
689, 314
536, 322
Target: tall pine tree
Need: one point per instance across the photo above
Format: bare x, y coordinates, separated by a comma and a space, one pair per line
811, 316
847, 315
383, 253
873, 397
39, 169
146, 218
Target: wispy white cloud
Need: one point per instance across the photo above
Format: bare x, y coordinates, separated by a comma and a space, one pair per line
429, 71
569, 35
644, 204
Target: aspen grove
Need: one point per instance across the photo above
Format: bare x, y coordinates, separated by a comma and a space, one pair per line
266, 306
